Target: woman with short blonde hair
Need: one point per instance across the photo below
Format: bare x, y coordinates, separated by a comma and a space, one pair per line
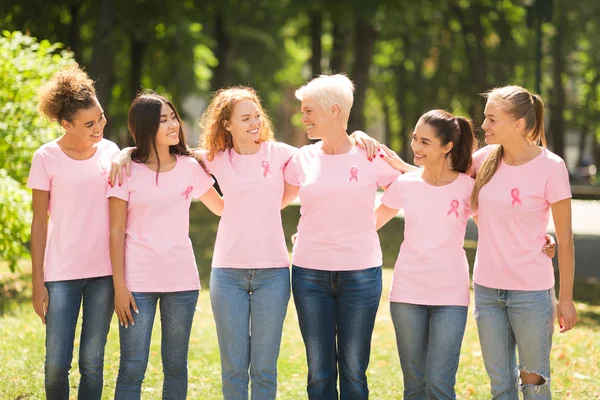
336, 272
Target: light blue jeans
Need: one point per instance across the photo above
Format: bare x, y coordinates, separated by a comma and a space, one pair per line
176, 316
429, 340
249, 306
508, 320
65, 299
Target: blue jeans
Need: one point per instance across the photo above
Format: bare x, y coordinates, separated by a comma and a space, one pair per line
249, 306
336, 312
515, 319
429, 340
65, 299
176, 317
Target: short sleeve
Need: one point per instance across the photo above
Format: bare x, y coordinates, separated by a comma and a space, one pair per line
557, 186
385, 173
38, 175
202, 182
468, 188
479, 158
290, 173
286, 152
392, 197
112, 149
120, 192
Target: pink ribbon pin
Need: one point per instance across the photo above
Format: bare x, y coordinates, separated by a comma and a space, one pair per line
187, 192
353, 174
266, 168
515, 196
453, 208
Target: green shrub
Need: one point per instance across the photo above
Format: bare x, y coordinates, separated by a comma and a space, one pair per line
25, 64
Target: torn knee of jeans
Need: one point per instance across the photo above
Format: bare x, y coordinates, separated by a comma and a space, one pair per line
546, 380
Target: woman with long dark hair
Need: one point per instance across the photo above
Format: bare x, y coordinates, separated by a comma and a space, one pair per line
152, 257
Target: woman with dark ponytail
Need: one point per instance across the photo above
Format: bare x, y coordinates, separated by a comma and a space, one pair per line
518, 182
430, 288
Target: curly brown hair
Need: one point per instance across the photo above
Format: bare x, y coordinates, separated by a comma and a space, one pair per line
215, 137
70, 89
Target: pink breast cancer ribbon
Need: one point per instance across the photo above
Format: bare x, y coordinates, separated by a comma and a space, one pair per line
453, 208
514, 193
187, 192
266, 168
353, 174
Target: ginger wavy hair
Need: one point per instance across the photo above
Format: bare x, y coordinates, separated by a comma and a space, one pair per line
520, 104
214, 136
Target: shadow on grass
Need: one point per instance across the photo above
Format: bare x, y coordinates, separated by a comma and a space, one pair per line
203, 228
588, 318
14, 290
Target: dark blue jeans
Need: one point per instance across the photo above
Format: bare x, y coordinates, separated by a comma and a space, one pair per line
336, 312
65, 299
176, 317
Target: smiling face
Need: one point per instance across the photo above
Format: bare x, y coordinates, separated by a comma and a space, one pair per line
168, 128
87, 124
245, 122
317, 120
499, 126
427, 147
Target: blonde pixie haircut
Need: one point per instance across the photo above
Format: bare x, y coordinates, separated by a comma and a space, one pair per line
329, 91
214, 136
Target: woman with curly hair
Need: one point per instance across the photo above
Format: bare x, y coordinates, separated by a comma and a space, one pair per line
71, 265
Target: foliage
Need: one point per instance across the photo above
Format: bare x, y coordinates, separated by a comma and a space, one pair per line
24, 65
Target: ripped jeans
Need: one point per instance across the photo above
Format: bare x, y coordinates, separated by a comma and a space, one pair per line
515, 320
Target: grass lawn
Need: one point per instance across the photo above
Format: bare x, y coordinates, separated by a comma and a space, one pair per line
575, 355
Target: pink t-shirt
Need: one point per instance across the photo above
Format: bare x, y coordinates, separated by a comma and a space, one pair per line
250, 233
77, 241
158, 251
514, 211
432, 267
337, 224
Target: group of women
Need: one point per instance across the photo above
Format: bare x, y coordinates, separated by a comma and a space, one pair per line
123, 243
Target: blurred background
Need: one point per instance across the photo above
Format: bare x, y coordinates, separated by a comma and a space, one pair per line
405, 57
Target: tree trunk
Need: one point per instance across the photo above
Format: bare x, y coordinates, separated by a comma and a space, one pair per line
74, 37
557, 93
473, 36
223, 52
337, 63
364, 48
316, 31
102, 67
137, 51
588, 117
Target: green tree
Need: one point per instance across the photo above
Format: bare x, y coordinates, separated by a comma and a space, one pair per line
25, 64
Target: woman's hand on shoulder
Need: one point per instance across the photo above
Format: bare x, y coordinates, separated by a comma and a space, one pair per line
366, 142
122, 160
395, 161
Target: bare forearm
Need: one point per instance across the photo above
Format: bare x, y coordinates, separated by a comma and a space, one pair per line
39, 233
117, 258
566, 267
